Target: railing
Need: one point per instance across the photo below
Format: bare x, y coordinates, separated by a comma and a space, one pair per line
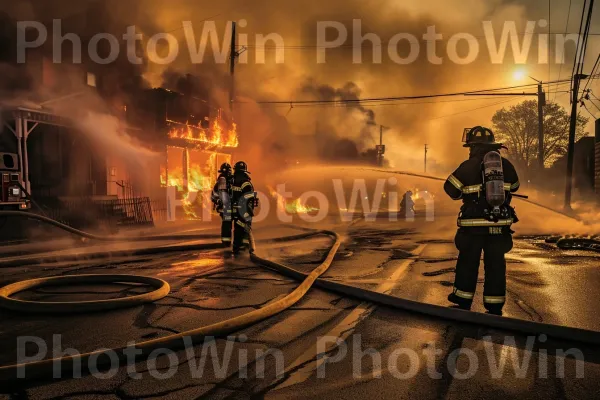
159, 210
107, 214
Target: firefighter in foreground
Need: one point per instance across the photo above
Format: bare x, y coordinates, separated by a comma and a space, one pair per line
221, 198
484, 183
244, 201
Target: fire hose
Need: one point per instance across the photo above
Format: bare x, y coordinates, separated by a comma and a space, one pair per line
520, 197
579, 243
91, 236
564, 243
44, 369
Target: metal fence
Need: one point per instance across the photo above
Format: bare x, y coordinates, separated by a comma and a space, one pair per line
159, 210
107, 214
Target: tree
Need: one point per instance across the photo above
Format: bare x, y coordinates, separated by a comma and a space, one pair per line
517, 128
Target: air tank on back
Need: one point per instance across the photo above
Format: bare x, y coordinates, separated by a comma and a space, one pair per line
493, 180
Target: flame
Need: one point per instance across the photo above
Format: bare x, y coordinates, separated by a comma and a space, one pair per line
198, 183
292, 207
175, 178
215, 136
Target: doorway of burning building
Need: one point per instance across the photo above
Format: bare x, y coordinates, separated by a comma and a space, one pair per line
192, 173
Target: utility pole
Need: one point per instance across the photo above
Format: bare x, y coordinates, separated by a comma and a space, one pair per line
233, 54
541, 103
597, 162
381, 147
425, 157
571, 149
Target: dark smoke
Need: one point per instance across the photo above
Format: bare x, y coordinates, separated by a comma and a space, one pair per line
325, 133
331, 144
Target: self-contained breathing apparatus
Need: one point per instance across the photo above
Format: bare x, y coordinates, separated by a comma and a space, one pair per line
487, 199
493, 186
221, 195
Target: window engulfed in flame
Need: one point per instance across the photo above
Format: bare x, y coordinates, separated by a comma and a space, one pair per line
201, 167
216, 136
175, 178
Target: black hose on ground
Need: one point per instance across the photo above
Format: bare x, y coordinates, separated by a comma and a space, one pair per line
578, 243
91, 236
451, 314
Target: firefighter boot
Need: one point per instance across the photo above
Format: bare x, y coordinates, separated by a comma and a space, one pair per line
226, 232
463, 304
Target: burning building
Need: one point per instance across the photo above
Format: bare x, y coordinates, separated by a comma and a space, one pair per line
194, 140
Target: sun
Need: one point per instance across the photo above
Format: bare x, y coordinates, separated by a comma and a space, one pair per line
519, 74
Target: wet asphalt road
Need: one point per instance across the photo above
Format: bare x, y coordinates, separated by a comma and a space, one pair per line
325, 346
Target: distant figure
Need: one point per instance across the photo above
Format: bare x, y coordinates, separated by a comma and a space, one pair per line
407, 205
484, 183
244, 201
221, 198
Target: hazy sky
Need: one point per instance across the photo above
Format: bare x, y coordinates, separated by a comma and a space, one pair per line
436, 122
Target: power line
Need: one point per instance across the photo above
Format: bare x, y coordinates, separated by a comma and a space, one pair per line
566, 27
593, 95
393, 102
578, 52
549, 29
594, 104
596, 64
587, 109
385, 43
475, 109
384, 99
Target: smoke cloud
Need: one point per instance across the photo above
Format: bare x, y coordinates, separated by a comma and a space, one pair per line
275, 135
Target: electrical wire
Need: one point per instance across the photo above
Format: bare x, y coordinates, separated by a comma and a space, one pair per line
589, 82
566, 27
473, 38
587, 109
387, 99
578, 52
474, 109
393, 103
549, 29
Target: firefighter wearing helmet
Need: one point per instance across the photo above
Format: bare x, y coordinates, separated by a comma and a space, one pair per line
484, 183
244, 200
221, 198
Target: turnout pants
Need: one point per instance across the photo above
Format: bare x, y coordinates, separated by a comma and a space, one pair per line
240, 234
494, 247
226, 231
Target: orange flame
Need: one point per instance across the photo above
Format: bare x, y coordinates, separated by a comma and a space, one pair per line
215, 136
197, 182
291, 207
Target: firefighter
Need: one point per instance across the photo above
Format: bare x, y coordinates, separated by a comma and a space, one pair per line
221, 198
484, 183
407, 205
243, 200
